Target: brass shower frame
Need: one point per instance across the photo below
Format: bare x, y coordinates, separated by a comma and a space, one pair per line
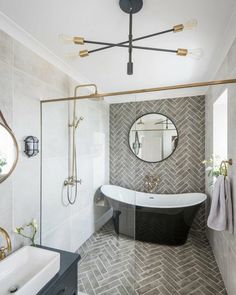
97, 95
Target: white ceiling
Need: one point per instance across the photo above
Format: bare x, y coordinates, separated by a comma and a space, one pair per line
103, 20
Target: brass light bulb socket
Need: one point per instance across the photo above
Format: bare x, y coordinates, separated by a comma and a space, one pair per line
83, 53
78, 40
182, 52
178, 28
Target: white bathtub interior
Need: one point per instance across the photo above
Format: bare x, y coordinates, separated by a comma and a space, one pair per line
134, 198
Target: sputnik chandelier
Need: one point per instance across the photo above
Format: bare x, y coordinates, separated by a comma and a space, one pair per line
131, 7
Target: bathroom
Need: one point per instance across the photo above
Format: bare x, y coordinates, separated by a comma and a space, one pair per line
117, 157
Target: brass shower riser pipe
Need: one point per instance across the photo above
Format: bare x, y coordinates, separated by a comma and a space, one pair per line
147, 90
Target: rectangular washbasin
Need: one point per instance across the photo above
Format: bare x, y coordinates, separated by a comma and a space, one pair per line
28, 270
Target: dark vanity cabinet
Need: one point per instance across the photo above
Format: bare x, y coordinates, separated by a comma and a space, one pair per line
66, 281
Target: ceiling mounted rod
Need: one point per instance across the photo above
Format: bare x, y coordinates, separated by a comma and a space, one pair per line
130, 62
147, 90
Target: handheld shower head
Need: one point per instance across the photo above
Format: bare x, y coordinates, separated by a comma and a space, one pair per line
78, 121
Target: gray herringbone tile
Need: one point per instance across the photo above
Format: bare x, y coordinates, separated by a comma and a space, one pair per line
117, 265
183, 171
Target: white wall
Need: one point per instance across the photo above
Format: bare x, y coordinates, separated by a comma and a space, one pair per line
220, 128
25, 78
223, 243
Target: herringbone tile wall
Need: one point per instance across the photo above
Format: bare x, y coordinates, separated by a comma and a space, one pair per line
183, 171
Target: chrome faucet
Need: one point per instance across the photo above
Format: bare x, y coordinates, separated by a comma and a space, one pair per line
4, 251
150, 183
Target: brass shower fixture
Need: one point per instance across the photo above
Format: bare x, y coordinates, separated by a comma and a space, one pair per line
131, 7
76, 123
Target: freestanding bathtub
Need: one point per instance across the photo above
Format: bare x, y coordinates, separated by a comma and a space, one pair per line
157, 218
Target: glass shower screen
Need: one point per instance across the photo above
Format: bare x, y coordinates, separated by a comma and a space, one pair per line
86, 165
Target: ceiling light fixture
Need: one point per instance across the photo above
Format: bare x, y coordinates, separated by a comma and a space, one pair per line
131, 7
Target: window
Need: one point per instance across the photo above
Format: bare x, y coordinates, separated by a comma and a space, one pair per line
220, 128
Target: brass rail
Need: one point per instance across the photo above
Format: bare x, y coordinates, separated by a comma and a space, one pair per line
224, 167
147, 90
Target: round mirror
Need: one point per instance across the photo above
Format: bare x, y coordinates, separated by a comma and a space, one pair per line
153, 137
8, 152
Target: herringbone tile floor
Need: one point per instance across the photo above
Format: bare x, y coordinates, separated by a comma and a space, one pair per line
113, 265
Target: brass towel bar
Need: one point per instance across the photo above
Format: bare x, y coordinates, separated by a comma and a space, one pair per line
224, 167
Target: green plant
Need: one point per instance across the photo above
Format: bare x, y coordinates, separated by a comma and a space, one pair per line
213, 168
33, 227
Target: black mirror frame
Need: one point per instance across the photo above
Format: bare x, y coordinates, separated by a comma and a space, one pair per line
153, 113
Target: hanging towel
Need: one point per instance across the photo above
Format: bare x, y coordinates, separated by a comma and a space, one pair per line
229, 207
221, 217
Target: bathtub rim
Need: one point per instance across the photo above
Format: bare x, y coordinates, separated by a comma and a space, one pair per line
202, 198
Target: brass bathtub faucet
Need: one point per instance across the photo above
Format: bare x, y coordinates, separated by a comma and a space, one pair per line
5, 250
151, 182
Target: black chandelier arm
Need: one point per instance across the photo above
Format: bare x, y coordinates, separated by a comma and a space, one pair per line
110, 45
154, 34
127, 46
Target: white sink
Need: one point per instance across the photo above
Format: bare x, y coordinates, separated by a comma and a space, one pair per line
28, 270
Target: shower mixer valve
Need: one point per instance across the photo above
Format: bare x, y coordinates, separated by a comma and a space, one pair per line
72, 181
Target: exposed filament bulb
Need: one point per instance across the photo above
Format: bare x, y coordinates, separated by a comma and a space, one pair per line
196, 53
66, 39
191, 24
72, 55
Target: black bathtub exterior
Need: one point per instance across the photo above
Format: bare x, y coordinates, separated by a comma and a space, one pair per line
166, 226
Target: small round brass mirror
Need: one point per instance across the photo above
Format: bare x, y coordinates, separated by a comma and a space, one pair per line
8, 152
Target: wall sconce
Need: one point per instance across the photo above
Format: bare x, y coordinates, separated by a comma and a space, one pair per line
31, 146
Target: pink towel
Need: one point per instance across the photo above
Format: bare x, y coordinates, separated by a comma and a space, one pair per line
221, 212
